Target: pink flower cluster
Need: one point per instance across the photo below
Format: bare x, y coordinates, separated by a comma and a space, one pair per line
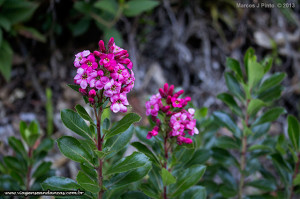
177, 118
105, 72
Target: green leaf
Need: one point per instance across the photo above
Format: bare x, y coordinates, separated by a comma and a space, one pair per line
235, 66
294, 131
17, 145
74, 122
167, 177
43, 168
123, 124
225, 120
149, 191
102, 154
230, 102
71, 148
142, 148
1, 37
45, 145
74, 87
227, 191
248, 55
296, 180
254, 106
13, 163
113, 32
129, 177
263, 184
109, 6
269, 116
34, 129
60, 184
187, 178
87, 182
118, 142
18, 11
195, 192
134, 194
255, 73
5, 59
83, 7
135, 160
4, 23
136, 7
234, 86
83, 113
271, 94
80, 27
272, 81
199, 157
260, 147
226, 142
31, 33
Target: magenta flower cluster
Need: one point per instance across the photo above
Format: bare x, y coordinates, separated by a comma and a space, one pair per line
107, 71
179, 120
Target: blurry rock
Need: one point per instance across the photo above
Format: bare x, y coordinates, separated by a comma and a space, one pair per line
262, 39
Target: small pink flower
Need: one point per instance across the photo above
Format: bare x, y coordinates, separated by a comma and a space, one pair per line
92, 93
176, 102
90, 63
94, 77
152, 106
111, 88
120, 73
92, 100
81, 78
119, 103
154, 132
80, 58
107, 60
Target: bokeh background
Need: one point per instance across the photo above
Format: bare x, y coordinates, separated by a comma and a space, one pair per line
182, 42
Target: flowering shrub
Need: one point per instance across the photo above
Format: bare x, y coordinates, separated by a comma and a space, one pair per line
26, 169
104, 78
173, 121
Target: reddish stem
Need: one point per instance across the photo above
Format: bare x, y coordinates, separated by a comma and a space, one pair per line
166, 163
28, 175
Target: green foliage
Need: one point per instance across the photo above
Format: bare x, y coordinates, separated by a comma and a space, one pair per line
27, 164
249, 98
13, 14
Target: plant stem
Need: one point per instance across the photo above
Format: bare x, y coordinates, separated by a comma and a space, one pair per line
99, 145
28, 175
296, 170
243, 155
166, 162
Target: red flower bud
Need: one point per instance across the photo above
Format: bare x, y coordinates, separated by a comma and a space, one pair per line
171, 89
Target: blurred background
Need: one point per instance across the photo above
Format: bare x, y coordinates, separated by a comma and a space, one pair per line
182, 42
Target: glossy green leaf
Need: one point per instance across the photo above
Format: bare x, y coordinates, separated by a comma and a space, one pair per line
149, 191
272, 81
248, 56
230, 102
17, 145
45, 145
74, 87
269, 116
263, 184
87, 182
294, 131
260, 147
8, 183
234, 86
5, 59
71, 148
271, 94
167, 177
110, 6
83, 113
195, 192
123, 124
255, 73
135, 160
226, 120
5, 23
227, 190
128, 177
226, 142
136, 7
118, 142
254, 106
235, 66
60, 184
18, 11
13, 163
142, 148
74, 122
199, 157
102, 154
296, 180
42, 169
187, 178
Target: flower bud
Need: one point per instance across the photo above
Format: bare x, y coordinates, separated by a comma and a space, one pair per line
101, 46
92, 93
178, 93
171, 89
166, 86
162, 93
92, 100
169, 100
